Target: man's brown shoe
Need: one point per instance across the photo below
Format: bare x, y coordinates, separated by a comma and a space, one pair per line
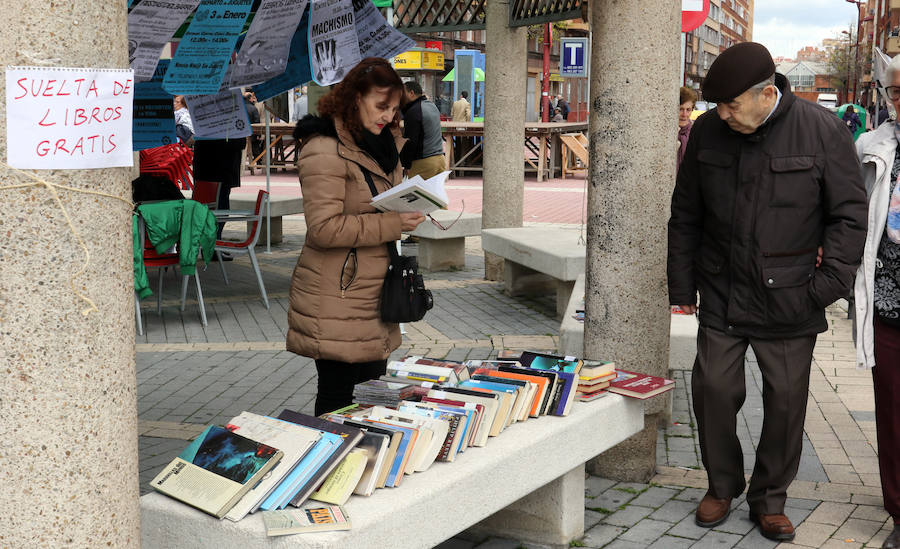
775, 527
712, 511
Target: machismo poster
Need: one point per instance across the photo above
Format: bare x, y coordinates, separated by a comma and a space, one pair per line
205, 50
150, 25
68, 118
264, 53
334, 48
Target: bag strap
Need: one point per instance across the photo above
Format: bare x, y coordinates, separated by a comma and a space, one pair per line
391, 246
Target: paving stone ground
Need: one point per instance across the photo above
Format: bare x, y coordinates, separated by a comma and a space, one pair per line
190, 376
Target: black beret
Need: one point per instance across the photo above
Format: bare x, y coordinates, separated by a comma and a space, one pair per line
736, 70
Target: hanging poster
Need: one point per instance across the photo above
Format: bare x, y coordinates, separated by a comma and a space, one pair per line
377, 38
219, 116
297, 72
334, 48
150, 25
203, 53
264, 54
154, 116
68, 118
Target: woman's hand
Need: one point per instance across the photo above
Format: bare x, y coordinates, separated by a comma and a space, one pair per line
410, 220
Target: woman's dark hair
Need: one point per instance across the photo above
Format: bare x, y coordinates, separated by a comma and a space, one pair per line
340, 102
686, 95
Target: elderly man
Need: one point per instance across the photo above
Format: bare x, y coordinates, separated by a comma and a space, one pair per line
768, 224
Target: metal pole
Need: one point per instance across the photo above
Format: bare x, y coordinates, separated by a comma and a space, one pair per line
856, 56
268, 189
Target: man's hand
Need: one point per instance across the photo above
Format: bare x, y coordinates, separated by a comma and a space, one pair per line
410, 220
819, 257
688, 309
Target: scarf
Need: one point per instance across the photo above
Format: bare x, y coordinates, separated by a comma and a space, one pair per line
683, 134
893, 218
381, 148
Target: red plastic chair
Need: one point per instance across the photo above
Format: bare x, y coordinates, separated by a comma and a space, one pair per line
161, 262
207, 192
247, 246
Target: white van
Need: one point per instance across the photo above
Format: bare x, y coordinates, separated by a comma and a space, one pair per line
827, 100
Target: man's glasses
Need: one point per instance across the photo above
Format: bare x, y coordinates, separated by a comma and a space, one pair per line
893, 92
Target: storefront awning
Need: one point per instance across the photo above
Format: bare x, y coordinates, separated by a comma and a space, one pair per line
479, 75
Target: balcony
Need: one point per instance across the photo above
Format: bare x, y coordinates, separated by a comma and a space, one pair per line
893, 44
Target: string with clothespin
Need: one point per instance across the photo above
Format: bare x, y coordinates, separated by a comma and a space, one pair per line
52, 187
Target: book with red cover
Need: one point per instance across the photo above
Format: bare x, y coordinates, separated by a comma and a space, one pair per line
636, 385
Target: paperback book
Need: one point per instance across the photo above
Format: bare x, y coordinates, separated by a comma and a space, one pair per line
641, 386
309, 519
415, 195
216, 470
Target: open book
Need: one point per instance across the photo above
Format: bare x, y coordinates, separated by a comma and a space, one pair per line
415, 195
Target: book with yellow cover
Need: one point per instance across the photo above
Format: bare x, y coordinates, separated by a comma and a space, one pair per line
341, 482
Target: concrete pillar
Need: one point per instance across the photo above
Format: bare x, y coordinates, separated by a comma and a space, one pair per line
68, 395
634, 90
504, 126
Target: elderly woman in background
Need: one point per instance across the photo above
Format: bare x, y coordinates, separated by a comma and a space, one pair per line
336, 285
687, 98
877, 292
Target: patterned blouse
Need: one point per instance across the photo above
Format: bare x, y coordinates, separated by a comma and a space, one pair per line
887, 267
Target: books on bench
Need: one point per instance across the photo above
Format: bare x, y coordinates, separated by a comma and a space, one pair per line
640, 386
309, 519
415, 195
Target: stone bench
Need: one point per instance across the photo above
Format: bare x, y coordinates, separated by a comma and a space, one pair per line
571, 332
526, 484
280, 206
441, 250
538, 260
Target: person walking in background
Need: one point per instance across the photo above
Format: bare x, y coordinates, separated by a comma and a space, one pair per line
461, 110
851, 119
687, 98
333, 315
301, 105
184, 127
883, 115
768, 224
423, 153
877, 296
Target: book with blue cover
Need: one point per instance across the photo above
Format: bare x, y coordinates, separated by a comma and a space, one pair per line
302, 473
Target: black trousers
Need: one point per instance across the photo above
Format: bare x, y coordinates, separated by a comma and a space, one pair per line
336, 381
886, 377
718, 394
220, 160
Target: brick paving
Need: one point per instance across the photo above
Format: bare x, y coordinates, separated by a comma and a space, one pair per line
190, 376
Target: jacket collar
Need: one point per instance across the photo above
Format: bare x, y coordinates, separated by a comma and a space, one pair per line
347, 147
880, 143
413, 102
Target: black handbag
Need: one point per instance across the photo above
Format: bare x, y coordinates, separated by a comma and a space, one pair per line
404, 297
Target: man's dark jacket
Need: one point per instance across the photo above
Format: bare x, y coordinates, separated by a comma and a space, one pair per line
750, 211
422, 129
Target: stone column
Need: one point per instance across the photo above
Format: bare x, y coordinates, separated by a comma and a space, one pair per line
504, 126
634, 90
68, 396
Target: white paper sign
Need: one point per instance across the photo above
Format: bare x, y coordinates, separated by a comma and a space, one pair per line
691, 5
376, 38
68, 118
219, 116
150, 25
264, 53
333, 46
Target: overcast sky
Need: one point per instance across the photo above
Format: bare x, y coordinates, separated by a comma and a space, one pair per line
785, 26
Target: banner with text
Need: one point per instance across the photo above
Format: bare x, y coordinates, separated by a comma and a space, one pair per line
219, 116
154, 114
298, 71
376, 38
334, 47
150, 25
264, 54
205, 50
68, 118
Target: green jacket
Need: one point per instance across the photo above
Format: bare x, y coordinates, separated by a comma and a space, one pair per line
188, 223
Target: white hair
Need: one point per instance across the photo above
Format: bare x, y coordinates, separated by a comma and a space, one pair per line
892, 67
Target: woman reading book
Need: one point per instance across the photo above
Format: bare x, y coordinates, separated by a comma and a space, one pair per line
333, 316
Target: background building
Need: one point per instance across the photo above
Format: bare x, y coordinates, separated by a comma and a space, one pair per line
729, 22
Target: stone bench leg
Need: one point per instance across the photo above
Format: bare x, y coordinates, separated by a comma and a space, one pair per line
277, 234
521, 280
442, 254
563, 294
552, 515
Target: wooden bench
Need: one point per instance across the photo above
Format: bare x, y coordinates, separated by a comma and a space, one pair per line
526, 484
280, 205
440, 250
538, 260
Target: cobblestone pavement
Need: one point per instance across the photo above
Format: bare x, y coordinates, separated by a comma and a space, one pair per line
190, 376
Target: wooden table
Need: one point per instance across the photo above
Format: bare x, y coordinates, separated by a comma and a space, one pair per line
547, 148
282, 147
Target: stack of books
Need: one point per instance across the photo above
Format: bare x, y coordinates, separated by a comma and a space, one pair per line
384, 393
423, 412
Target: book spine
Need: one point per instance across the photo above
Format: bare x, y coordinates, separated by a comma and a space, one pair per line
557, 396
447, 446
